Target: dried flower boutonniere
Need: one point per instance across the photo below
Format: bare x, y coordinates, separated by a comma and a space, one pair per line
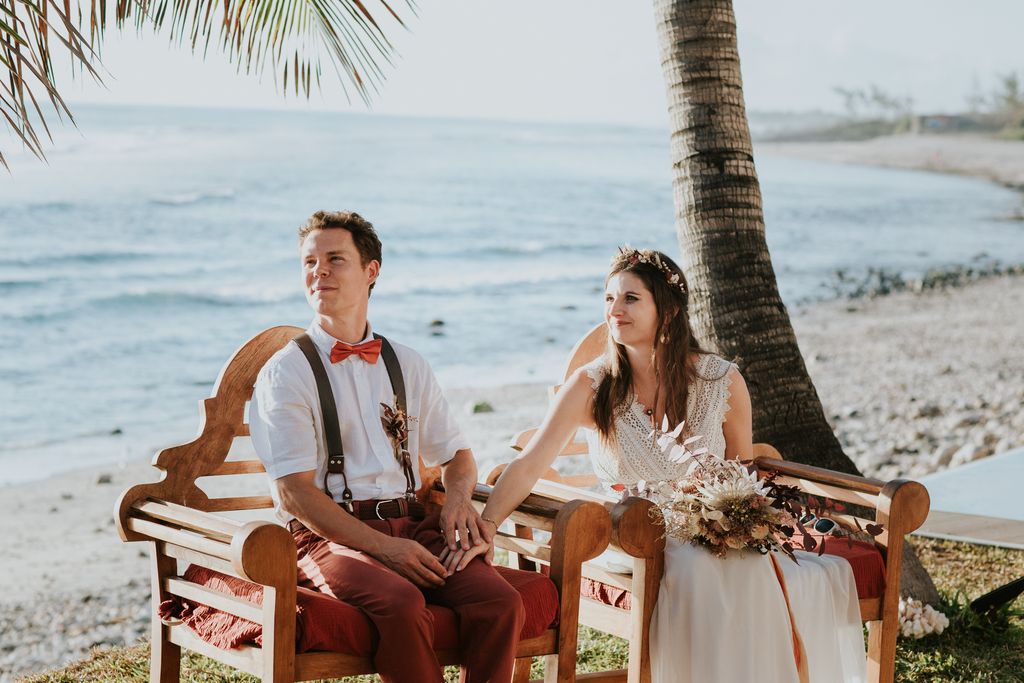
396, 426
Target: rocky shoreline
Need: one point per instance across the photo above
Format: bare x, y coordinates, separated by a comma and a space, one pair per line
43, 633
919, 382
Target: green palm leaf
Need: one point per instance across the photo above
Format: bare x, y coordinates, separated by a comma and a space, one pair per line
296, 41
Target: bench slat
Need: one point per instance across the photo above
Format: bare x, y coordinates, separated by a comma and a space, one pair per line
522, 546
821, 475
239, 503
834, 492
176, 585
193, 557
245, 658
189, 517
181, 537
237, 467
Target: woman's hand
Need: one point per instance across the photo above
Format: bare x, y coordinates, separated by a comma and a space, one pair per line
458, 559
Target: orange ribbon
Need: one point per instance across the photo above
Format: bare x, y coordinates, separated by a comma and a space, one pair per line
799, 653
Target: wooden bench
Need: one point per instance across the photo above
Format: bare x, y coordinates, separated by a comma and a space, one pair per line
622, 604
235, 536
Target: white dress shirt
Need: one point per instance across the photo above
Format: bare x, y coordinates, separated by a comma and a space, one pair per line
288, 432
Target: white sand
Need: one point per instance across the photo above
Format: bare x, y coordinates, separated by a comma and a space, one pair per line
1001, 161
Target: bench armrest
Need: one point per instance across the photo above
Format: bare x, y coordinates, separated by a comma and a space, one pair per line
258, 551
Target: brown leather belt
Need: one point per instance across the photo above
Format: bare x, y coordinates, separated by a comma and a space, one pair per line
387, 509
376, 509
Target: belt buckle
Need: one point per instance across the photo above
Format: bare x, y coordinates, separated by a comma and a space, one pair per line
376, 508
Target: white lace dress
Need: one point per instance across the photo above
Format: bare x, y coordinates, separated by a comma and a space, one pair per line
725, 620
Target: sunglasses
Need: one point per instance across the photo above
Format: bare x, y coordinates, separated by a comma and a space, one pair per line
822, 526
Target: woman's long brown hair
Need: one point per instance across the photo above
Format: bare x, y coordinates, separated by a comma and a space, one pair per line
674, 347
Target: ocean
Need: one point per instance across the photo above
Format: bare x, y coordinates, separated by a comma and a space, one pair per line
155, 241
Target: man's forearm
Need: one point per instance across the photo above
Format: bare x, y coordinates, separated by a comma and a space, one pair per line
327, 519
459, 475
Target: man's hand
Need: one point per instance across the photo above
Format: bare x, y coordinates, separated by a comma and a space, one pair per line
413, 561
461, 523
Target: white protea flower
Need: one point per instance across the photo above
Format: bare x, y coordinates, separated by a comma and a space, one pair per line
738, 484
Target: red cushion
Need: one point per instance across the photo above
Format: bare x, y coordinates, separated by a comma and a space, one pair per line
606, 593
864, 558
324, 623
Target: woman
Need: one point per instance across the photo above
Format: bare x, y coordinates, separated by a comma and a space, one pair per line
723, 620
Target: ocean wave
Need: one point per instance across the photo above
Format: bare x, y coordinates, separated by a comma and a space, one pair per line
193, 198
51, 206
437, 248
154, 299
33, 444
16, 285
225, 298
90, 257
480, 282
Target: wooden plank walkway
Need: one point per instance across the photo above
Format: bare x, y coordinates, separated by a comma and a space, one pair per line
957, 526
981, 502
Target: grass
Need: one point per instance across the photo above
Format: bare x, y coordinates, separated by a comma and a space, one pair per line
971, 650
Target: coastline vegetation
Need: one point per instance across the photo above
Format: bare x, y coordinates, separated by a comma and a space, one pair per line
875, 282
872, 112
973, 648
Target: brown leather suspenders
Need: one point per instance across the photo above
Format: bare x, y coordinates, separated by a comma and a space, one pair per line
329, 411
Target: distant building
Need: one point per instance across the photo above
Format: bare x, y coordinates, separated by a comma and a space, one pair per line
946, 123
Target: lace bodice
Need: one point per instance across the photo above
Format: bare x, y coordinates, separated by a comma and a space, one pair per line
634, 456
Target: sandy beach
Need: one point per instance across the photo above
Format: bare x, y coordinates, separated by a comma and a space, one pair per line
1000, 161
913, 382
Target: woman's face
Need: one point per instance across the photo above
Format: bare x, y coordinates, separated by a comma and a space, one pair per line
629, 310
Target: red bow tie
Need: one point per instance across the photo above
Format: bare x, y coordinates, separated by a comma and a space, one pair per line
368, 351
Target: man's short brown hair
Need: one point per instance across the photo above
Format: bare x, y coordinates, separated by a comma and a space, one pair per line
363, 234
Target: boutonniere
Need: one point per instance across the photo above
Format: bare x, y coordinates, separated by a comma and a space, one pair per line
396, 426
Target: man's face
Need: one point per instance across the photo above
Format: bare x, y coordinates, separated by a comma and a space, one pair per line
335, 279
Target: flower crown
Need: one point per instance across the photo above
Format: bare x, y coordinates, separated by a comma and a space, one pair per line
650, 257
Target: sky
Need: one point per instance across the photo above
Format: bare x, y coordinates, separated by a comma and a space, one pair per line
597, 60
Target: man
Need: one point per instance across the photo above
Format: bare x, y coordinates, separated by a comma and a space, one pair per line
360, 536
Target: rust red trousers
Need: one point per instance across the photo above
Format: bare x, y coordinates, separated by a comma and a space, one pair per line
490, 611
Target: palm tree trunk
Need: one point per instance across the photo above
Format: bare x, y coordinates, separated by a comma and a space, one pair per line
735, 303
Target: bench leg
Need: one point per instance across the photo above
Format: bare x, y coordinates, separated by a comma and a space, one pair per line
165, 656
521, 670
882, 650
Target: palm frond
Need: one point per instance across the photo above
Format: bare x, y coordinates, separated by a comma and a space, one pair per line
290, 39
28, 29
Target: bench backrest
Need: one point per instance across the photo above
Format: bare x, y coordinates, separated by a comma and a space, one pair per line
233, 478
